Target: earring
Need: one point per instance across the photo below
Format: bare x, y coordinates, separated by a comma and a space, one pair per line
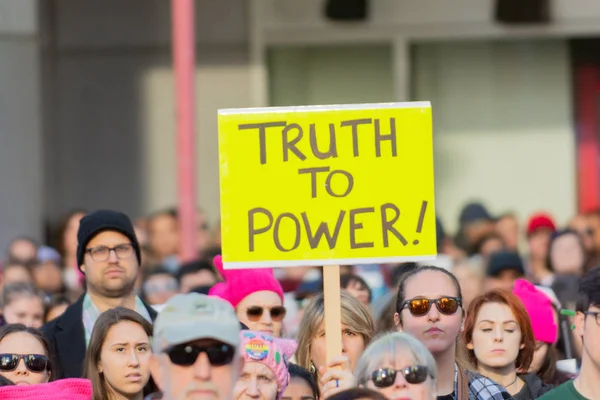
312, 369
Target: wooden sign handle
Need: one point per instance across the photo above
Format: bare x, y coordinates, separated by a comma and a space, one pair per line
333, 317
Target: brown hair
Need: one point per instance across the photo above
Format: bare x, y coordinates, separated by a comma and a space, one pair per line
36, 333
354, 315
105, 321
525, 355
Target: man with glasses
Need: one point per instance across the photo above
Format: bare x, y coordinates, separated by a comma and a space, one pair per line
587, 325
109, 255
196, 347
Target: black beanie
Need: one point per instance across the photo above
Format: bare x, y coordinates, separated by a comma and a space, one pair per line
104, 220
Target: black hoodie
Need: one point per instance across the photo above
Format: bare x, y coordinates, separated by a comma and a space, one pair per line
535, 387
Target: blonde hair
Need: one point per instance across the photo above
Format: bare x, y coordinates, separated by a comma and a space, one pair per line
354, 315
388, 346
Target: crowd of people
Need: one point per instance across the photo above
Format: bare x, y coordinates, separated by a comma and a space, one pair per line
507, 311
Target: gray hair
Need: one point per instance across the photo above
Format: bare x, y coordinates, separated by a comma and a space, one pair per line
389, 346
19, 289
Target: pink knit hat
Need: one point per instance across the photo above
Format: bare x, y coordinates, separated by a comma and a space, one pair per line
273, 352
64, 389
539, 308
243, 282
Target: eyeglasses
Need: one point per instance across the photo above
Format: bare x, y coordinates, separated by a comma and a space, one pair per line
101, 253
385, 377
254, 313
595, 314
420, 307
218, 354
33, 362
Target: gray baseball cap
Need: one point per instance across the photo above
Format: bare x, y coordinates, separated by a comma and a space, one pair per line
194, 316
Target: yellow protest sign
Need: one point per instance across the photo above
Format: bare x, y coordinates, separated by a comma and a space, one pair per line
326, 185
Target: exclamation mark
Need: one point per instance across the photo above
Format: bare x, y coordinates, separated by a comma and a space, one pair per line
421, 218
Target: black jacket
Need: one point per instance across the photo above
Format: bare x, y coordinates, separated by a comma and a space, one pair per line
66, 335
535, 385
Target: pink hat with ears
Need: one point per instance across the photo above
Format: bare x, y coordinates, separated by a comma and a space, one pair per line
273, 352
240, 283
539, 308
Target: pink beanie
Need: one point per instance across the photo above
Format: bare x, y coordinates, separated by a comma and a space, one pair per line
273, 352
539, 308
71, 389
243, 282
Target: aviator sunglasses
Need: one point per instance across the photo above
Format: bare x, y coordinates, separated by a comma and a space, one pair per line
420, 307
218, 354
33, 362
385, 377
254, 313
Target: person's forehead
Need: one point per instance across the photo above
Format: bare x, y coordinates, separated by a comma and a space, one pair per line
430, 284
108, 238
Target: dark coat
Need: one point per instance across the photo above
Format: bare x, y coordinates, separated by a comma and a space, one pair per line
66, 335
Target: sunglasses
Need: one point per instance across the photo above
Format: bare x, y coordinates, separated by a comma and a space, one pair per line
254, 313
33, 362
218, 354
385, 377
420, 307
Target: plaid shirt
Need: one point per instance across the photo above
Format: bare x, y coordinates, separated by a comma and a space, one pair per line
91, 314
481, 388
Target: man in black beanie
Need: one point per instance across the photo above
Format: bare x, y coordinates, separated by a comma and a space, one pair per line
108, 253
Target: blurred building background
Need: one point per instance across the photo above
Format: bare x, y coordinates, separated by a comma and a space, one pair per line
87, 100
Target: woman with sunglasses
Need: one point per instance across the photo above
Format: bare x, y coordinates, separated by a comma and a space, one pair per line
118, 356
24, 355
398, 366
256, 296
429, 307
500, 342
357, 331
266, 359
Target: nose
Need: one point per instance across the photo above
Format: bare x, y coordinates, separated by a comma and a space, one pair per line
112, 256
498, 335
252, 389
21, 368
133, 359
265, 318
433, 315
202, 367
400, 381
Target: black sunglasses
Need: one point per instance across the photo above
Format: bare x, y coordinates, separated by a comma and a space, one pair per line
420, 307
254, 313
218, 354
385, 377
33, 362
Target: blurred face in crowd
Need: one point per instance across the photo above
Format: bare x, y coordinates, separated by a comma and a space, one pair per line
541, 351
262, 311
471, 281
588, 327
298, 389
23, 250
581, 225
203, 277
401, 388
256, 382
202, 232
504, 280
435, 330
114, 277
353, 345
477, 230
201, 380
508, 228
26, 310
594, 223
159, 288
163, 235
491, 245
359, 291
48, 277
497, 337
538, 243
16, 273
23, 343
125, 359
567, 255
70, 234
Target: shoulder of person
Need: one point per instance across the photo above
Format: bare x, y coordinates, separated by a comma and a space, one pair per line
483, 388
560, 392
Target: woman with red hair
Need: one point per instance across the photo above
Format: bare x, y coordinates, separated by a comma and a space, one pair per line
500, 342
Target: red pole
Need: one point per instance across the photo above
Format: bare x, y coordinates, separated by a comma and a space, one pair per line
185, 63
